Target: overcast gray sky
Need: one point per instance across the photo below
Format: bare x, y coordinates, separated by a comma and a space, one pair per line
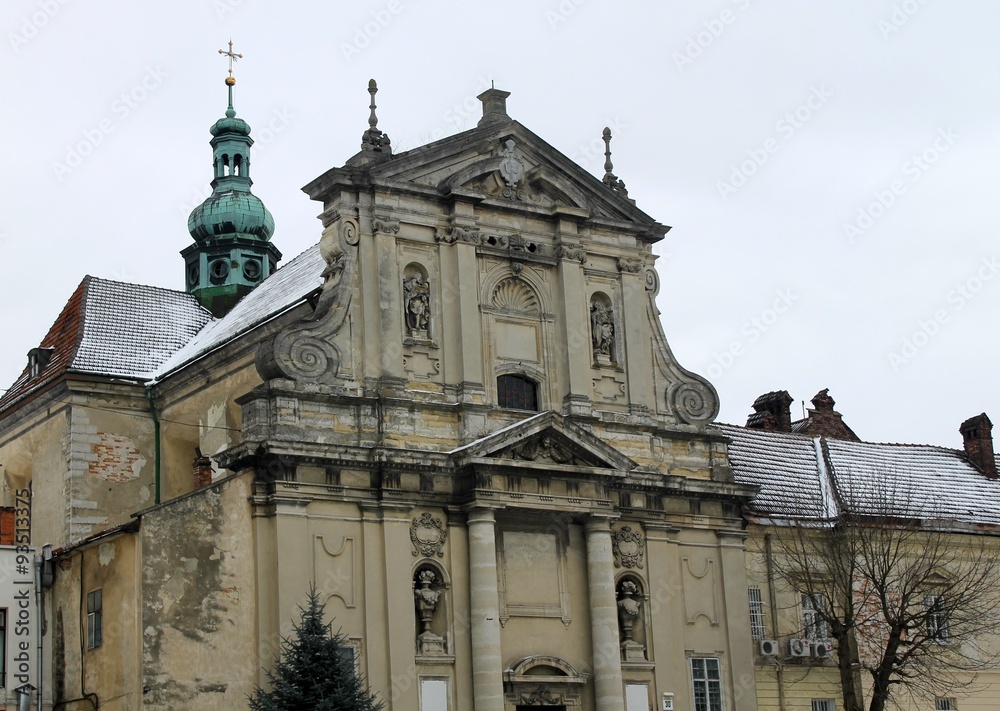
829, 169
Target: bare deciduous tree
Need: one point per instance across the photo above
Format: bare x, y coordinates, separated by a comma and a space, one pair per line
910, 598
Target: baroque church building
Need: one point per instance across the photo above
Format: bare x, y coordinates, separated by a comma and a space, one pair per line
457, 416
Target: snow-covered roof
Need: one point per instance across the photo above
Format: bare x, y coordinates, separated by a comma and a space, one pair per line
114, 329
140, 332
783, 466
129, 330
285, 288
817, 477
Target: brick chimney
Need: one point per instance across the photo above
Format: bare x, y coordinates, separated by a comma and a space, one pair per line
977, 436
202, 471
771, 412
823, 420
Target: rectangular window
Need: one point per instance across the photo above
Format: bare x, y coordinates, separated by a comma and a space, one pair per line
95, 619
813, 624
433, 695
941, 704
823, 705
937, 618
707, 683
636, 697
349, 654
756, 613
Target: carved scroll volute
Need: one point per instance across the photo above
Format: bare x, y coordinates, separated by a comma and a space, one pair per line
305, 351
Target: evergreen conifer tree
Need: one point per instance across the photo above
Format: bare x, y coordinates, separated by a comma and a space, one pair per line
315, 671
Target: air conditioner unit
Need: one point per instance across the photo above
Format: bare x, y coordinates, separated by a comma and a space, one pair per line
798, 648
769, 647
821, 649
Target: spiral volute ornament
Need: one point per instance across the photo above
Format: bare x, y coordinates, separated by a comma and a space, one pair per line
694, 403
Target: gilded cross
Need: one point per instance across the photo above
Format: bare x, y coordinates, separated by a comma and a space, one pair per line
233, 56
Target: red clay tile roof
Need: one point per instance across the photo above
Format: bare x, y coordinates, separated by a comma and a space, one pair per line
115, 329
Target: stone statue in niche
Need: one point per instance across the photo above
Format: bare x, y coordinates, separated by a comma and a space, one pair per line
602, 327
416, 305
427, 601
629, 610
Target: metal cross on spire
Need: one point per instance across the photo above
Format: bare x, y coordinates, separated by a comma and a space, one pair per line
233, 56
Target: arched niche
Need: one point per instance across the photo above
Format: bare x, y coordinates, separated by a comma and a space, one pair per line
417, 314
432, 608
633, 617
603, 330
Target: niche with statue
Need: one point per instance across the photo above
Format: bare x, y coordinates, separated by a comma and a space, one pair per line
430, 598
632, 618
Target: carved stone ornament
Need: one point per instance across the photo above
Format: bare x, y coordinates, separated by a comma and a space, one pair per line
574, 253
541, 697
305, 351
628, 614
632, 265
511, 164
457, 233
416, 305
428, 536
602, 329
628, 547
542, 449
426, 601
385, 225
693, 402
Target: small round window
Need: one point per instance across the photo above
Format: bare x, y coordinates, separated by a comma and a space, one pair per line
219, 270
251, 270
193, 274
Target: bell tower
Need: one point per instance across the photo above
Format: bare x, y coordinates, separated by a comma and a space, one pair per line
232, 252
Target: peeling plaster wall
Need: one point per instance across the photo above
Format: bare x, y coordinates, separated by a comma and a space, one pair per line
37, 453
198, 600
201, 414
110, 465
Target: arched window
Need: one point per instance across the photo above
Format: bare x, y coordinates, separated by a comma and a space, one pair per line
517, 392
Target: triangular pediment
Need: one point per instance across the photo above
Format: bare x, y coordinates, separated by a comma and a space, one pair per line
545, 439
504, 162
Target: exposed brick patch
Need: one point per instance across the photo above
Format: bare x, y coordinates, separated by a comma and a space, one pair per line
7, 537
202, 472
117, 458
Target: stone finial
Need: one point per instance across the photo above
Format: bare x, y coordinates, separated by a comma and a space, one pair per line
373, 139
610, 179
494, 106
977, 437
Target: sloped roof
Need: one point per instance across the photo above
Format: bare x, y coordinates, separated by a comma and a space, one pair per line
929, 480
282, 290
139, 332
115, 329
816, 477
784, 466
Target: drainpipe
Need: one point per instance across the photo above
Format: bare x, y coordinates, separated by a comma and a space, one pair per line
156, 445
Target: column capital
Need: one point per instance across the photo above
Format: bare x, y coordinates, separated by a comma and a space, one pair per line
481, 514
599, 523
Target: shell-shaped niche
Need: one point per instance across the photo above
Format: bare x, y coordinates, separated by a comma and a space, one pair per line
513, 295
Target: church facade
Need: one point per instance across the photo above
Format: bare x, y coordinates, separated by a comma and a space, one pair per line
457, 416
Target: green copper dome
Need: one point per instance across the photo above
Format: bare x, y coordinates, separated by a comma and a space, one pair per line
234, 212
230, 124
